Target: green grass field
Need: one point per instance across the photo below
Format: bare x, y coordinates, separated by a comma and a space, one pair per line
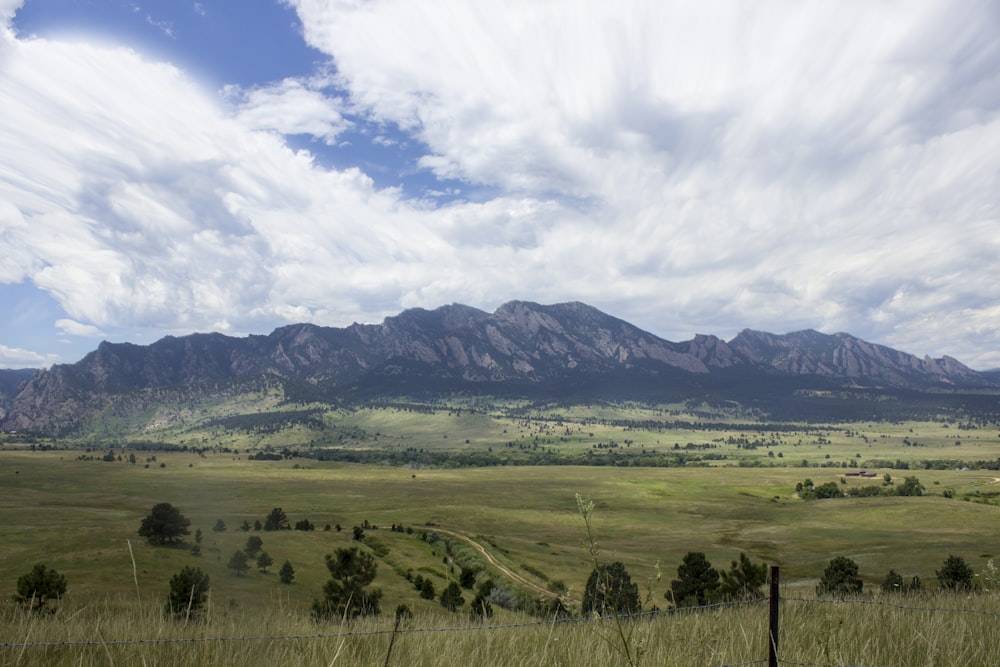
67, 508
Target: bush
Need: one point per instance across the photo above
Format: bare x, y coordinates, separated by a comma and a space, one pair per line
911, 486
35, 589
955, 574
840, 578
610, 589
188, 593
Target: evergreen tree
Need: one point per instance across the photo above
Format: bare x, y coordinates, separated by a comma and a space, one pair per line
955, 574
840, 578
164, 524
480, 608
253, 546
427, 591
344, 595
451, 597
610, 589
238, 563
264, 561
276, 520
220, 526
697, 582
744, 580
287, 573
188, 593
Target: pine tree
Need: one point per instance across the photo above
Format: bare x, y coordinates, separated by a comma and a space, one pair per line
164, 524
697, 582
344, 595
238, 563
287, 573
188, 593
451, 597
264, 561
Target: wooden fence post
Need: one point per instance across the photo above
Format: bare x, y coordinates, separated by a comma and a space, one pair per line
772, 626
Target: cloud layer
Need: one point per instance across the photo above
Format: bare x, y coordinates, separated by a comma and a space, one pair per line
691, 168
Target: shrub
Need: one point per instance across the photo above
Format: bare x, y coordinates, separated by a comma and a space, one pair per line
955, 574
35, 589
610, 589
840, 578
188, 593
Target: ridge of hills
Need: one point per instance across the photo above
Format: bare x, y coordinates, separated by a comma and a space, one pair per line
523, 349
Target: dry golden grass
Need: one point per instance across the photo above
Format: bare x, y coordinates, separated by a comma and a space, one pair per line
127, 631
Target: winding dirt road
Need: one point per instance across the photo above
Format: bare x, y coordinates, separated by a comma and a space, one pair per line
506, 571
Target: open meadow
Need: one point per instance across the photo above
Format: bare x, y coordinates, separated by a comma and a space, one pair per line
519, 525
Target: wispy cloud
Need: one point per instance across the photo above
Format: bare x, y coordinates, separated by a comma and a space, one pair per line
291, 106
74, 328
689, 167
13, 357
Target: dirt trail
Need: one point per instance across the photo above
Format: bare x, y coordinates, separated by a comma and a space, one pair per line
507, 572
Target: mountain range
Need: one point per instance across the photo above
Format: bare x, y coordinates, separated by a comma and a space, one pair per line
522, 348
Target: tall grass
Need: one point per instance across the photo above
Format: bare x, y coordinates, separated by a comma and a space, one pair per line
130, 631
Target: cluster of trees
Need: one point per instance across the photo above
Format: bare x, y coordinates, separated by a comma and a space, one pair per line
808, 490
841, 578
254, 552
610, 589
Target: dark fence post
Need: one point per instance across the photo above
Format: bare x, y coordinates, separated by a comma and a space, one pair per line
772, 626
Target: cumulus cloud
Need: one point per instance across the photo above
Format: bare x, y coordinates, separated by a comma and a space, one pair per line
15, 357
691, 168
291, 106
732, 165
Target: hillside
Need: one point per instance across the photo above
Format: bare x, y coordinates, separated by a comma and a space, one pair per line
568, 350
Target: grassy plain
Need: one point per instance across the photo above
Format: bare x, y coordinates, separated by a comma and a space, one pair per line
67, 508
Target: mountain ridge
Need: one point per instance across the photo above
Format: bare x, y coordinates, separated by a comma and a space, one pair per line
522, 345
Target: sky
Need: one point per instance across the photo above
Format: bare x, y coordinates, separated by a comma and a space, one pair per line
173, 166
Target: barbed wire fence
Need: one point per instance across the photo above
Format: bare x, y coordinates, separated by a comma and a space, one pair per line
773, 601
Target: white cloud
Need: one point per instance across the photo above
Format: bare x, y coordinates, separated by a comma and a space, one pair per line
74, 328
291, 106
7, 10
15, 357
689, 167
733, 164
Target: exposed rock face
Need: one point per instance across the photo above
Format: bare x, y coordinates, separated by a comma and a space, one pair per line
11, 381
844, 356
521, 342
